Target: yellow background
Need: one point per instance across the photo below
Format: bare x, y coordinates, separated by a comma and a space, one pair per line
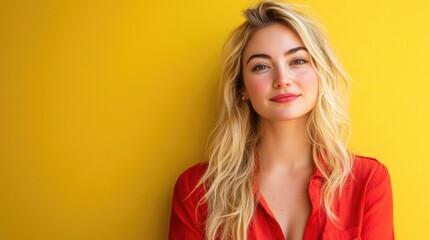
104, 103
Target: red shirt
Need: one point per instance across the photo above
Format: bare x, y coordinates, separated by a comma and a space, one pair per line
365, 207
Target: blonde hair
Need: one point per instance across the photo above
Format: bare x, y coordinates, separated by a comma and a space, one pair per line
232, 147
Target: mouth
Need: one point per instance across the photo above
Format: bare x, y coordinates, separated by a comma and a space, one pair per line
285, 98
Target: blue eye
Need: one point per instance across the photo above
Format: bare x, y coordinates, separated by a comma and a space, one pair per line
298, 62
259, 68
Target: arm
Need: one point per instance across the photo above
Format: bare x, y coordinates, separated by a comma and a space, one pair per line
378, 212
186, 219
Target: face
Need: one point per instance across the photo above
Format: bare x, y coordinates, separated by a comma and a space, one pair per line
279, 79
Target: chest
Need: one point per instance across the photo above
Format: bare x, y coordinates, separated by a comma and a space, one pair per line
287, 199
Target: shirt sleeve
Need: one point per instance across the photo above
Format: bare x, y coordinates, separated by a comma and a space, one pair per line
378, 212
186, 218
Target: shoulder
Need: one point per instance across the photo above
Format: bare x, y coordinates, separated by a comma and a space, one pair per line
372, 199
370, 171
188, 180
192, 175
187, 210
367, 165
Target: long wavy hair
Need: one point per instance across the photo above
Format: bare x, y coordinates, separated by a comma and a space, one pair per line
231, 171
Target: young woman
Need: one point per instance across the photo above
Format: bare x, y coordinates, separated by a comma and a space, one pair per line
278, 165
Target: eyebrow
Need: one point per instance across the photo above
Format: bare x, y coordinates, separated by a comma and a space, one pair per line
262, 55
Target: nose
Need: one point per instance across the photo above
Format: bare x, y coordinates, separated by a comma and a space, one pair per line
281, 79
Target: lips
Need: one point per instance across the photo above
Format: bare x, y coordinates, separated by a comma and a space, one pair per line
285, 98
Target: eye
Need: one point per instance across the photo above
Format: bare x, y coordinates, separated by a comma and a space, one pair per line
258, 68
298, 62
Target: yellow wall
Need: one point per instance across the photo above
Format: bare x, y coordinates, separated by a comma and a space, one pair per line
104, 103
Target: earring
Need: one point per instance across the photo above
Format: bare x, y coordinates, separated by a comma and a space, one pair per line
244, 98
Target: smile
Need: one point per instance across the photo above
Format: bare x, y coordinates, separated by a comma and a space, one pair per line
285, 98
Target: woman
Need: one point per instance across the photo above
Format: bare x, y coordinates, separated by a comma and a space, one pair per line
278, 165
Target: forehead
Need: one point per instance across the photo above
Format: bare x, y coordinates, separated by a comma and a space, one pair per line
273, 39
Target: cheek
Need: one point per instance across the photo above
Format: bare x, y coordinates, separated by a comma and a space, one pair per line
310, 81
256, 86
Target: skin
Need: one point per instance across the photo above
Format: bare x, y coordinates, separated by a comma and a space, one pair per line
275, 62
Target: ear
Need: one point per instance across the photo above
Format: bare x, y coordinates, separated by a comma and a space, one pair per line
244, 95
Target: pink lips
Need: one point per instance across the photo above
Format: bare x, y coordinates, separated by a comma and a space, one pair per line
285, 98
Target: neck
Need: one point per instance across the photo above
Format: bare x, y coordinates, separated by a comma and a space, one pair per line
284, 145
